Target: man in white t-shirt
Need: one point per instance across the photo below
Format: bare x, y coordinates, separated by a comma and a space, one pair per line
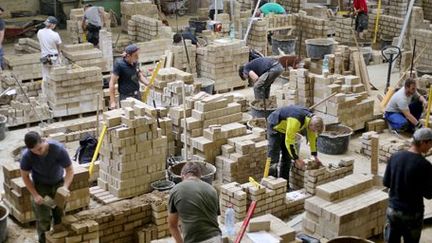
49, 42
405, 108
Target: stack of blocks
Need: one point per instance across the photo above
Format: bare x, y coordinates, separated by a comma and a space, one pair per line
292, 6
73, 25
106, 46
398, 8
311, 27
24, 66
295, 200
73, 91
18, 198
142, 28
153, 50
181, 58
133, 153
287, 95
242, 157
69, 133
348, 206
257, 38
129, 8
301, 81
27, 45
343, 30
220, 61
386, 148
280, 21
86, 55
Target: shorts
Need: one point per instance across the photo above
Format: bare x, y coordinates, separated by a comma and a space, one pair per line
361, 22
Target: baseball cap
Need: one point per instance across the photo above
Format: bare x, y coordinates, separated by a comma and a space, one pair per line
52, 20
423, 134
131, 49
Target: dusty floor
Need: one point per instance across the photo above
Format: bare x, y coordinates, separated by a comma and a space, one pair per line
14, 139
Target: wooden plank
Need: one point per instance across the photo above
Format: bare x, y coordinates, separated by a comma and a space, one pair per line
364, 74
374, 154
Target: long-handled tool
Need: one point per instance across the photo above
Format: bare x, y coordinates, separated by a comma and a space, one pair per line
98, 147
428, 107
152, 79
413, 56
246, 221
390, 54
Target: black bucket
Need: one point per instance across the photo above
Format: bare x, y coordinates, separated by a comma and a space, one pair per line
285, 43
208, 172
349, 239
162, 185
4, 213
334, 140
207, 86
3, 121
423, 70
318, 48
198, 24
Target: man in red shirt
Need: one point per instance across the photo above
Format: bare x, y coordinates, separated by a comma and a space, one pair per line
361, 12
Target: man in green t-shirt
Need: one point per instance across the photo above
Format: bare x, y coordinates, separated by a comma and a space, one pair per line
269, 8
196, 204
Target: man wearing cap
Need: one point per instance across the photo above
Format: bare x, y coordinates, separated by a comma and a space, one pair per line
93, 21
127, 74
2, 31
408, 176
283, 125
49, 42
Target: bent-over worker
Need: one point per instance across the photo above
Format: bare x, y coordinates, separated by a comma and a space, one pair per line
283, 125
262, 71
195, 203
408, 175
127, 74
405, 108
46, 161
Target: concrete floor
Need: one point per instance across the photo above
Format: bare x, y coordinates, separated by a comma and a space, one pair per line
14, 139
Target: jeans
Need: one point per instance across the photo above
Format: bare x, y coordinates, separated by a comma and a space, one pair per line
276, 146
361, 22
44, 214
1, 58
264, 82
400, 224
398, 121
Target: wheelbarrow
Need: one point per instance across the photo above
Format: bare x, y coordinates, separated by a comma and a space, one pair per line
22, 29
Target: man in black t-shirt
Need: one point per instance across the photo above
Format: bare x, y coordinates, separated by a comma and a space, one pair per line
2, 32
128, 75
409, 177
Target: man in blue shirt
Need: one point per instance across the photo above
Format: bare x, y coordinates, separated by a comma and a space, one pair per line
46, 161
127, 74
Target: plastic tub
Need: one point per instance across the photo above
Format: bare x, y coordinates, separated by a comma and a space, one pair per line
162, 185
208, 172
258, 111
423, 70
286, 43
318, 48
334, 140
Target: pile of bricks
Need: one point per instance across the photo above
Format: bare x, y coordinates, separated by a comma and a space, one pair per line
220, 61
311, 28
257, 38
133, 153
153, 50
129, 8
125, 221
168, 84
351, 106
427, 9
422, 36
69, 133
86, 55
295, 200
343, 30
292, 6
386, 146
24, 66
106, 47
313, 175
348, 206
397, 8
27, 45
143, 28
73, 91
280, 21
286, 96
377, 125
181, 59
270, 198
73, 25
18, 198
303, 84
246, 4
242, 157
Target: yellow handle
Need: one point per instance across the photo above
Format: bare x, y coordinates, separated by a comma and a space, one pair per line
253, 181
152, 79
377, 22
267, 167
98, 146
428, 107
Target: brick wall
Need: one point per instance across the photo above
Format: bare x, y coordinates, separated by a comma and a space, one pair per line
22, 5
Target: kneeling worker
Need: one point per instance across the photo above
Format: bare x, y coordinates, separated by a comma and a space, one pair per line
282, 126
262, 71
128, 75
270, 8
405, 108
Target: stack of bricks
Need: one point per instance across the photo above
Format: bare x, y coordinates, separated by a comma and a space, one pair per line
348, 206
181, 59
27, 45
86, 55
142, 28
73, 91
225, 21
220, 61
427, 9
133, 153
292, 6
422, 36
311, 28
70, 133
18, 198
386, 148
257, 38
343, 30
280, 21
7, 80
286, 96
120, 221
168, 87
73, 25
313, 175
270, 198
351, 106
246, 4
397, 8
24, 66
106, 46
295, 200
242, 157
153, 50
129, 8
377, 125
301, 82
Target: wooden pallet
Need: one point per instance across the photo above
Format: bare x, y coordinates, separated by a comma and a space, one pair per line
221, 91
26, 124
101, 196
75, 116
